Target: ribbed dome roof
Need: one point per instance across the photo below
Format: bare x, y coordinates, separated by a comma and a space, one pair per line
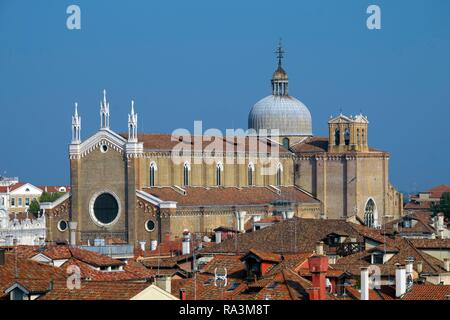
282, 112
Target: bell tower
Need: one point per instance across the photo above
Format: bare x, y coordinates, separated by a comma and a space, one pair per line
347, 134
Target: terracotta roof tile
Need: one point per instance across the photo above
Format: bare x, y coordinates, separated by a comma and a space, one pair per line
58, 252
96, 291
293, 236
428, 292
34, 275
163, 142
229, 196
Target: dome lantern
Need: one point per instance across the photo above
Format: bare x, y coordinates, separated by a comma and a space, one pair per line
280, 77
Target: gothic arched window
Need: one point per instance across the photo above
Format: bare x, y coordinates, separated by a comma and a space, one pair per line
357, 137
369, 214
337, 137
219, 171
152, 177
250, 174
279, 177
347, 136
186, 170
363, 140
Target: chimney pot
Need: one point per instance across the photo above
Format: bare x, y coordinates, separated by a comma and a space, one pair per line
73, 233
319, 248
364, 283
182, 294
218, 236
186, 243
318, 266
400, 281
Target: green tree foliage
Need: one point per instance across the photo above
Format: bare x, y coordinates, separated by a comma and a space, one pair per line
34, 207
443, 205
50, 196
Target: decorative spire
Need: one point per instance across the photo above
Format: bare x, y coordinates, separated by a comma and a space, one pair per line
132, 124
76, 126
104, 112
280, 52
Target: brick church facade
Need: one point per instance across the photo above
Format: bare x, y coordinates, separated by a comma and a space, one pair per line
128, 186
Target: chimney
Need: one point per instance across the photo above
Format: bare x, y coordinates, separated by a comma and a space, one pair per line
318, 266
182, 294
186, 243
2, 257
73, 233
447, 264
409, 266
440, 221
142, 245
218, 236
419, 267
153, 245
319, 248
164, 283
364, 283
400, 281
240, 220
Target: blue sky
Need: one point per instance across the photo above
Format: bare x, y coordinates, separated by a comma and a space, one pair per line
212, 60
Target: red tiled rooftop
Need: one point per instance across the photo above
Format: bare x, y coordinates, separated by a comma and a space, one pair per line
229, 196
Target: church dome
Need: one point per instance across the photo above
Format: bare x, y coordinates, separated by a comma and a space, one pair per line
285, 113
279, 110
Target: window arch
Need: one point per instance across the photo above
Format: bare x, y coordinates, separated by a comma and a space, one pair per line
152, 178
363, 140
358, 141
347, 136
251, 174
279, 175
186, 171
370, 213
286, 143
337, 137
219, 173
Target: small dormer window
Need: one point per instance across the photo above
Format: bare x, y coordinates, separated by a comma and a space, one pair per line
378, 258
